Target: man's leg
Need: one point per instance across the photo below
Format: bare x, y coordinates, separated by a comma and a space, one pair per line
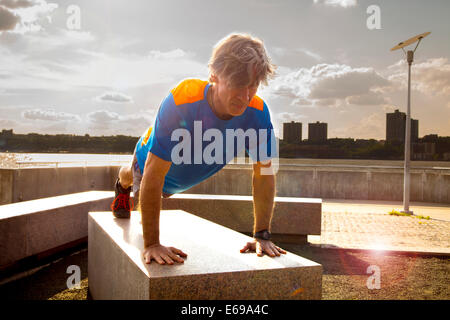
131, 177
136, 181
121, 204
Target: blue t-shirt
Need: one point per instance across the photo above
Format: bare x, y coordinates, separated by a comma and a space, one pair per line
198, 143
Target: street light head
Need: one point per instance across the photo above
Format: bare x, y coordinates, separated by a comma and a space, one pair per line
410, 41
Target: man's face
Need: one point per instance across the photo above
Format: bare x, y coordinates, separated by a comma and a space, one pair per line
233, 100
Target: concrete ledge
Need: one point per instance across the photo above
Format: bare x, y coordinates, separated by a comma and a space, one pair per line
32, 227
293, 218
214, 268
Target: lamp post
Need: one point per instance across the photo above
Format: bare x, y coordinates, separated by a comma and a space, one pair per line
406, 175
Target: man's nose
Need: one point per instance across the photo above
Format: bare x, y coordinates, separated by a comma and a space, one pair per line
244, 94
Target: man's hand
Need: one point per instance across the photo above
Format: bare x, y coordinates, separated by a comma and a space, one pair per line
163, 255
261, 246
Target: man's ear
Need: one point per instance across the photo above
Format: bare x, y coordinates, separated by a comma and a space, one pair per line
213, 78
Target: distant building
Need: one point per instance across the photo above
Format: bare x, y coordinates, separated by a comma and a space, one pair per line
430, 138
292, 131
7, 133
317, 132
4, 136
395, 127
423, 151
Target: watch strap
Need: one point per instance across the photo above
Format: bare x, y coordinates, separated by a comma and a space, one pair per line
263, 235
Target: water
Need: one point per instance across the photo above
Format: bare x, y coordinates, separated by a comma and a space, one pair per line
27, 160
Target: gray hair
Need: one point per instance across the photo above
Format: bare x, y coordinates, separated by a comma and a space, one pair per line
241, 59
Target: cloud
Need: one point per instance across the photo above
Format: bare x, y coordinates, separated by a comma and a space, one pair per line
289, 116
430, 77
8, 20
337, 3
137, 121
325, 102
49, 115
76, 37
388, 108
114, 123
174, 54
117, 97
31, 15
14, 4
325, 84
293, 55
102, 116
340, 81
311, 54
8, 124
125, 71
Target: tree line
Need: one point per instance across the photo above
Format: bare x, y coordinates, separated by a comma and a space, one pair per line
40, 143
336, 148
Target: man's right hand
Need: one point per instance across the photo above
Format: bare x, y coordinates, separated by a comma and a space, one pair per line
162, 254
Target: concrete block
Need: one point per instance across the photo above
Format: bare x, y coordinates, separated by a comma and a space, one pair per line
32, 227
214, 268
293, 218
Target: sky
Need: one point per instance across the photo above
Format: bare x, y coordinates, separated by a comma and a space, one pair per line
103, 67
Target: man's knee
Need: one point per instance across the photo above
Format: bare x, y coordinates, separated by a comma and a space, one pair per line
125, 170
125, 176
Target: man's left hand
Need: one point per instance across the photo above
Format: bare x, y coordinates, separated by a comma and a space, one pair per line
261, 246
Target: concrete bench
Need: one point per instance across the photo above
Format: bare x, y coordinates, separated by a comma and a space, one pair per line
35, 227
293, 218
214, 268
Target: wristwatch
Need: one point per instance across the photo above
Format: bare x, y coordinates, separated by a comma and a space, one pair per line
263, 235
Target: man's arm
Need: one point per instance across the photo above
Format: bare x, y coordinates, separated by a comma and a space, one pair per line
263, 201
263, 189
150, 197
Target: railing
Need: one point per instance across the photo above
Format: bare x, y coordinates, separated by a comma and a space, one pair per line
93, 163
64, 164
23, 161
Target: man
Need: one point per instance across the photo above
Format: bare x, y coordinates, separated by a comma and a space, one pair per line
238, 65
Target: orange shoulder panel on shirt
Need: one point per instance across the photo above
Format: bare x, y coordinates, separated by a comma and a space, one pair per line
189, 91
147, 136
257, 103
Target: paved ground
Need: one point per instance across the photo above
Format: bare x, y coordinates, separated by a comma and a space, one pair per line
345, 224
367, 225
437, 211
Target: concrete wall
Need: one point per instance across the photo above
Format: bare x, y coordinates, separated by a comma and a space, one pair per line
427, 185
326, 182
6, 186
